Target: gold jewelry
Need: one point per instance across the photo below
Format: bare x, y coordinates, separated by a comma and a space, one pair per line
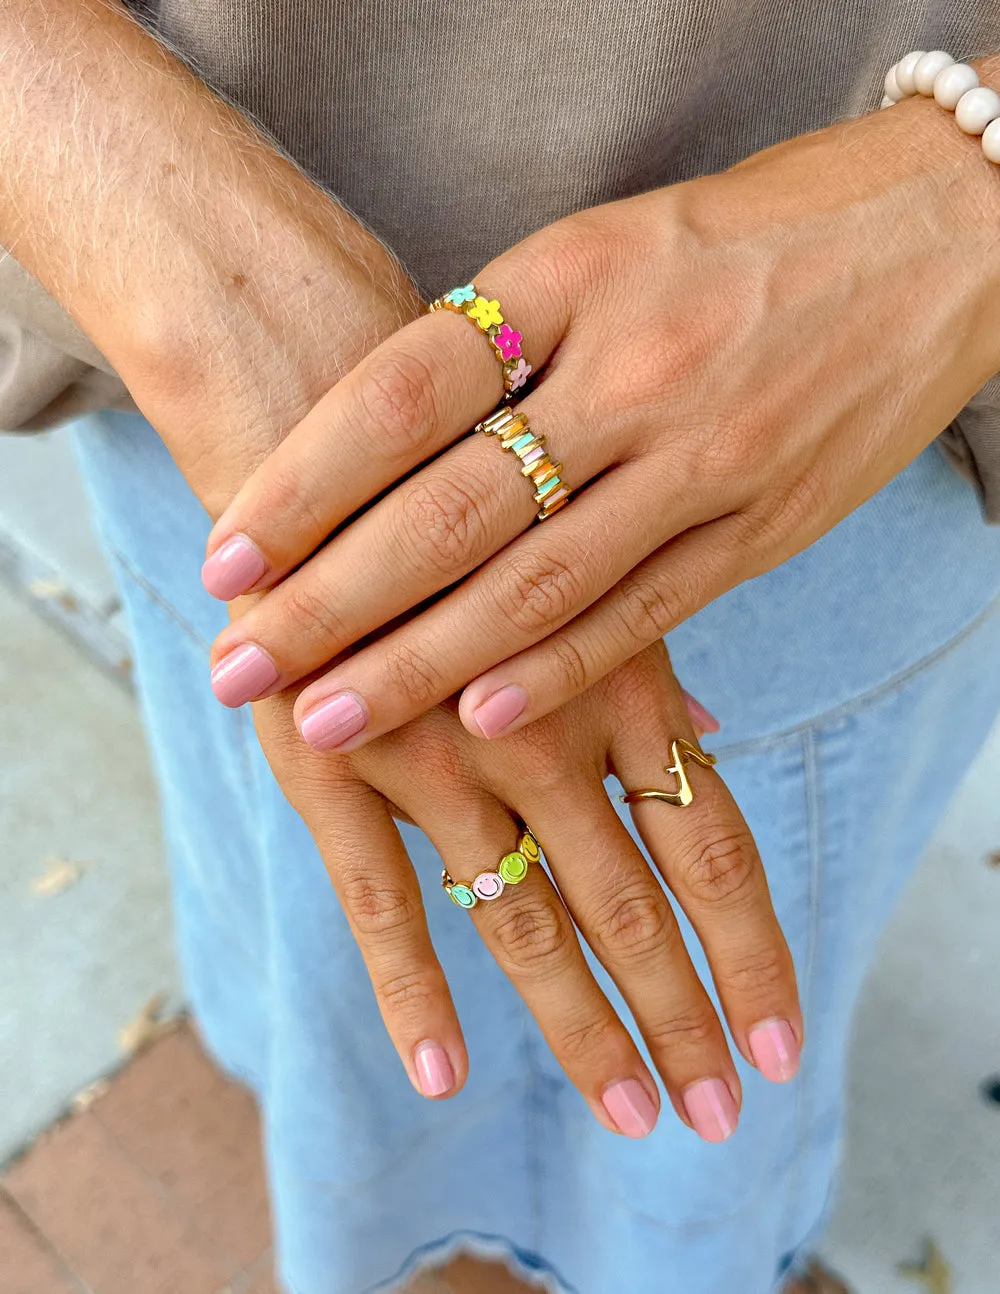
681, 752
505, 341
511, 870
513, 433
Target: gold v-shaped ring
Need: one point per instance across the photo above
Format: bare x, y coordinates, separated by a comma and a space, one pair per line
681, 752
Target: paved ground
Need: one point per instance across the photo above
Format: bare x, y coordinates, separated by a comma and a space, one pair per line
77, 963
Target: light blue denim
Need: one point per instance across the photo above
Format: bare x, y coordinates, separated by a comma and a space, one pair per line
854, 686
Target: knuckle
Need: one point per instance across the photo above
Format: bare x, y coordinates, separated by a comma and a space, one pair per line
580, 1039
693, 1032
377, 906
448, 520
531, 936
290, 503
571, 664
636, 923
542, 595
722, 867
398, 399
647, 609
308, 612
406, 991
754, 974
412, 673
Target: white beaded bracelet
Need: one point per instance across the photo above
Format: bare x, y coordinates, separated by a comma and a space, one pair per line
955, 86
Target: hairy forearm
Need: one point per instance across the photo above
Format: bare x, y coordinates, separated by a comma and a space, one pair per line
197, 258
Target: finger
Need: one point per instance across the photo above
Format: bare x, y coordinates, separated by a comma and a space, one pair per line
652, 598
380, 894
517, 599
530, 934
412, 396
429, 532
623, 912
708, 857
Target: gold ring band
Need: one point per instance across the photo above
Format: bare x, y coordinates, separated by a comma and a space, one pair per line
512, 431
511, 870
681, 752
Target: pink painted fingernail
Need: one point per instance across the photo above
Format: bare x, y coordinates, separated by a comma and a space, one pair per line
775, 1050
500, 710
631, 1108
233, 568
434, 1071
711, 1109
700, 717
333, 721
243, 674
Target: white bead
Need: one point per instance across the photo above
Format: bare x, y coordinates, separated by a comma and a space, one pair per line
887, 102
929, 68
976, 109
952, 83
892, 90
905, 69
991, 141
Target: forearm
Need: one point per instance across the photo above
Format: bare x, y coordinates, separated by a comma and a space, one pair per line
212, 273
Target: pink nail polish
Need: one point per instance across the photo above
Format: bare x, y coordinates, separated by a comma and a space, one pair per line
333, 721
700, 717
243, 674
711, 1109
500, 710
233, 568
434, 1070
631, 1108
774, 1049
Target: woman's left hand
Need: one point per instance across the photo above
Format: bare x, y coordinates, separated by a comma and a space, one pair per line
727, 367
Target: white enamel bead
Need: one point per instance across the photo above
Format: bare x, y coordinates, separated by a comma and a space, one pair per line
976, 109
887, 102
929, 68
952, 83
991, 141
905, 69
892, 90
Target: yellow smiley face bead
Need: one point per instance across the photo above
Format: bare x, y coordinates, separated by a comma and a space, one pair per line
528, 846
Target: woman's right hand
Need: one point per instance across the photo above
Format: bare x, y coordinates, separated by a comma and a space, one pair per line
468, 797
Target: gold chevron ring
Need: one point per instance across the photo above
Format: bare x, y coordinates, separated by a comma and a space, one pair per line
681, 752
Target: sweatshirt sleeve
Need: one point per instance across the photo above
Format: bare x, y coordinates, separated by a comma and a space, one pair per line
49, 371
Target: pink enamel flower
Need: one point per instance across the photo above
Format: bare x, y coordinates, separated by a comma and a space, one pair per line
508, 342
518, 375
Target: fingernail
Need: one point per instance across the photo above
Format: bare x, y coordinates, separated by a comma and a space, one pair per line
700, 717
631, 1108
500, 710
233, 568
775, 1050
711, 1109
243, 675
332, 722
434, 1072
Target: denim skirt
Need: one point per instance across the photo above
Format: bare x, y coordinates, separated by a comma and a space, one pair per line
854, 685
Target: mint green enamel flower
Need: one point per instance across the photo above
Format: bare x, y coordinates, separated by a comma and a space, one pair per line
459, 296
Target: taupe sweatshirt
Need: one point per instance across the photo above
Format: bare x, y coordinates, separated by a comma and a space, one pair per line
456, 127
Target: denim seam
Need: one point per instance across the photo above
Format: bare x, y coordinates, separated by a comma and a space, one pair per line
894, 684
155, 596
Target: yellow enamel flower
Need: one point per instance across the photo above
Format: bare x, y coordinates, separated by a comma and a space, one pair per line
486, 313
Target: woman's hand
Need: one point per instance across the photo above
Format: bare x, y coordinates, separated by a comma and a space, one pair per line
468, 797
727, 368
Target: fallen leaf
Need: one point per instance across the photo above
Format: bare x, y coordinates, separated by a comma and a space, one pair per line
59, 875
85, 1099
932, 1272
145, 1027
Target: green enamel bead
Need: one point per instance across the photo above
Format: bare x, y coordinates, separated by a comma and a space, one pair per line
513, 869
